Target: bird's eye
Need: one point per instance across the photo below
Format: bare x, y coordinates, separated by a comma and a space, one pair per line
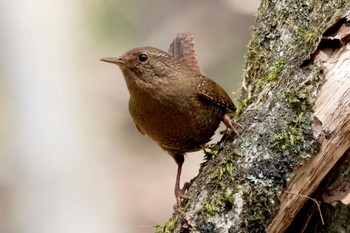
143, 57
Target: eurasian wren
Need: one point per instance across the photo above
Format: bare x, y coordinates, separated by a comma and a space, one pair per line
172, 101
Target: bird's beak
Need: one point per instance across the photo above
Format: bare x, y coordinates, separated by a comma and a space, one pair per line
115, 60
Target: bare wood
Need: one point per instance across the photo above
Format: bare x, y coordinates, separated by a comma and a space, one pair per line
332, 107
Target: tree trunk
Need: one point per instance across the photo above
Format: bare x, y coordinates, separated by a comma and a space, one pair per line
292, 151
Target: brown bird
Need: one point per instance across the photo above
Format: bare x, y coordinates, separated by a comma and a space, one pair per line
172, 101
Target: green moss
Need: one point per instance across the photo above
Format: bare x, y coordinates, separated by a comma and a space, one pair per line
208, 156
221, 178
242, 107
210, 207
228, 197
293, 97
212, 154
226, 168
309, 37
223, 199
286, 140
273, 75
298, 100
295, 137
168, 227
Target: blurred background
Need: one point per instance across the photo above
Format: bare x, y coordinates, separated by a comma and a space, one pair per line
71, 159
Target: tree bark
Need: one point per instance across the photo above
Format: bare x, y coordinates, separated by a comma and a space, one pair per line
292, 151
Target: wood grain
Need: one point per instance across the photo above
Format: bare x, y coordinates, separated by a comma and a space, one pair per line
332, 108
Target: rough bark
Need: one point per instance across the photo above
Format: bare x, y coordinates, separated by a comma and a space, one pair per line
295, 117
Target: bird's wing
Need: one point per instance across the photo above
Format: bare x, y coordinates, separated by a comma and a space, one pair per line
182, 48
210, 91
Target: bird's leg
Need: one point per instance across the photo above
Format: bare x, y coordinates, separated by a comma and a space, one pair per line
231, 126
179, 192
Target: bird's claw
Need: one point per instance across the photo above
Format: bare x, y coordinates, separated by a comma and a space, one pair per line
180, 195
231, 125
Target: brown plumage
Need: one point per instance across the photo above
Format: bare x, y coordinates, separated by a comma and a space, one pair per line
172, 101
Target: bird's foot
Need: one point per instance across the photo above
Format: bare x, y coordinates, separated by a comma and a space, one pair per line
180, 195
231, 125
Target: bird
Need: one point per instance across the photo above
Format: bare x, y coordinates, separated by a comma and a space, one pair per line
172, 101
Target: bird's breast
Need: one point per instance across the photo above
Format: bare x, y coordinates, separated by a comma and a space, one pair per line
183, 124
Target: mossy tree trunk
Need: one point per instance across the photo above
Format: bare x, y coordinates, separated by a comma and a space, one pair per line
295, 136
